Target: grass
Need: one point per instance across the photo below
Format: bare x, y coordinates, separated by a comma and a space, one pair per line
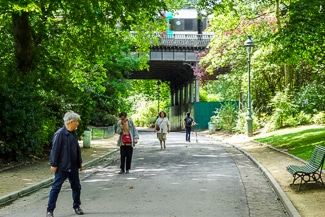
299, 141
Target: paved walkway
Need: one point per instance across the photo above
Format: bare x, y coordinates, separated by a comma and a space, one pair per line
187, 179
271, 162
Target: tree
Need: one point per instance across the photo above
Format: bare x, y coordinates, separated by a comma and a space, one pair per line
71, 55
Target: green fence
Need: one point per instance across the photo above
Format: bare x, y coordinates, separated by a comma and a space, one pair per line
204, 110
102, 132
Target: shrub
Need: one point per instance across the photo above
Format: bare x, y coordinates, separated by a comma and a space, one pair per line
102, 118
282, 109
311, 98
319, 118
303, 118
290, 122
22, 123
227, 116
241, 123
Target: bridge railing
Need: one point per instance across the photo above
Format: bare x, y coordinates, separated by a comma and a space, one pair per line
184, 40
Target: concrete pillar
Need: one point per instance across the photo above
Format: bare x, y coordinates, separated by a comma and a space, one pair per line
186, 97
197, 90
191, 92
181, 96
172, 97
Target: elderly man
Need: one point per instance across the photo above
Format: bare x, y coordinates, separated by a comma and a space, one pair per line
65, 162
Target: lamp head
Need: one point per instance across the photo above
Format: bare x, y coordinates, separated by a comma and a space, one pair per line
249, 44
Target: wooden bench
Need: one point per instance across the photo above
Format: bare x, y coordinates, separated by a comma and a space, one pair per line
311, 171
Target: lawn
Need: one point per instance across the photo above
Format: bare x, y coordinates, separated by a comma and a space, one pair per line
299, 141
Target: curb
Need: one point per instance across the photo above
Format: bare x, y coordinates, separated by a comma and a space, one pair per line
45, 183
290, 208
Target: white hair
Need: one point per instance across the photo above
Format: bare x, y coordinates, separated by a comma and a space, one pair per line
70, 116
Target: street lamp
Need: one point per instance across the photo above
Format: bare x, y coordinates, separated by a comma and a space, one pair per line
158, 85
249, 44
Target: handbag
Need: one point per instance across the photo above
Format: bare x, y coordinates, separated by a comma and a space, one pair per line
158, 126
126, 138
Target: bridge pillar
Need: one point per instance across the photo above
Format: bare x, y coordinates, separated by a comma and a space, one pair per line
177, 97
181, 95
197, 91
172, 97
191, 92
186, 97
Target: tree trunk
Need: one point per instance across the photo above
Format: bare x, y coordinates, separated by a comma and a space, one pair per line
23, 41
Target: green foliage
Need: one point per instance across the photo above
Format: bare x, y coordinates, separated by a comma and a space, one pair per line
319, 118
282, 109
102, 118
69, 55
241, 123
227, 116
311, 98
203, 96
303, 118
145, 115
23, 128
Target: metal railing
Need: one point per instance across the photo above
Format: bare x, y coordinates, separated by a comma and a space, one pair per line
102, 132
184, 40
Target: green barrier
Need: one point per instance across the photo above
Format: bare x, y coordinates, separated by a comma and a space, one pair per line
87, 139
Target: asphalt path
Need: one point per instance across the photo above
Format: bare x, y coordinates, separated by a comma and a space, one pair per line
201, 178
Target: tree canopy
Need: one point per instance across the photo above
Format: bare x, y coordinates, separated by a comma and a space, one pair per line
68, 55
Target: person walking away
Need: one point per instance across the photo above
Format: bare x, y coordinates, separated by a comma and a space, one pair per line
65, 161
163, 124
188, 122
128, 138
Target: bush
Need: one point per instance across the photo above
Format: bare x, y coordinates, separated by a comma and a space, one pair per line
319, 118
102, 118
311, 98
303, 118
241, 123
23, 127
227, 116
282, 110
290, 122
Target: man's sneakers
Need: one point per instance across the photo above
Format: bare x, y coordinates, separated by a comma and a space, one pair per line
78, 211
121, 172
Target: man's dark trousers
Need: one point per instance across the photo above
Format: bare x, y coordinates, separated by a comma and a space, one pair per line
188, 133
59, 178
126, 155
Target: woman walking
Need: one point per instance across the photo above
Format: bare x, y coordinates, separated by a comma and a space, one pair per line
162, 126
128, 138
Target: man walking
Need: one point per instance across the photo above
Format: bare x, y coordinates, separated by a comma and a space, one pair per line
65, 163
188, 122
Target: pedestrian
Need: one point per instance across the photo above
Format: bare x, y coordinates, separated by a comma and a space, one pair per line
65, 160
128, 138
162, 126
188, 122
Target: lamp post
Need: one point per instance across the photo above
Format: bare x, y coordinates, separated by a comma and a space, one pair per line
249, 44
158, 85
